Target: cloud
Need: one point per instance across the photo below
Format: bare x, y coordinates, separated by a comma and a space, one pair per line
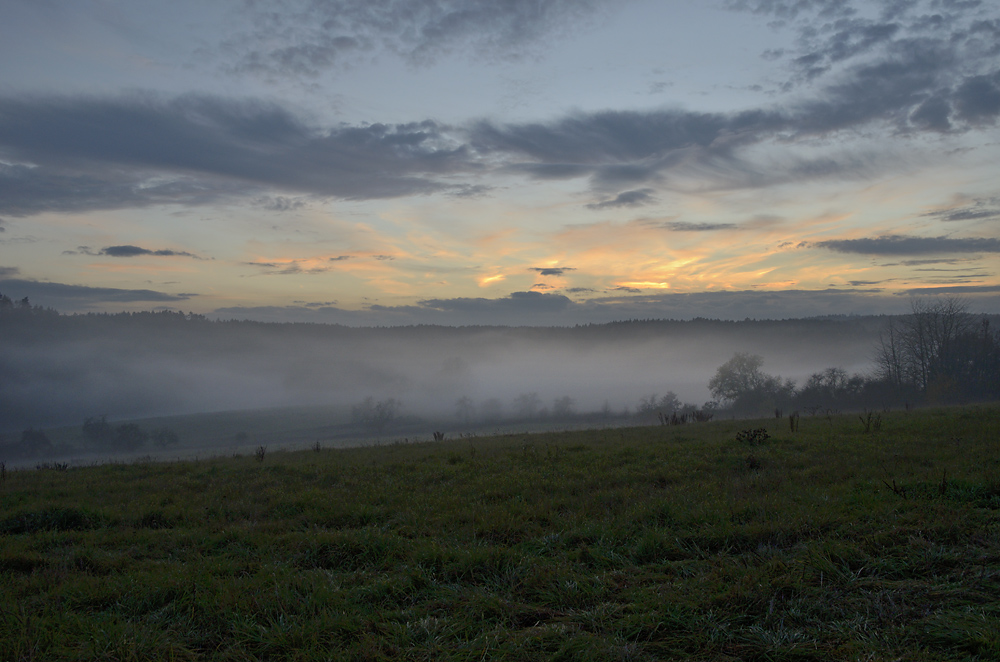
470, 191
28, 190
9, 271
133, 251
551, 271
978, 211
977, 99
635, 198
910, 245
70, 298
279, 203
309, 38
315, 304
898, 74
953, 290
908, 88
289, 268
912, 263
141, 149
130, 251
682, 226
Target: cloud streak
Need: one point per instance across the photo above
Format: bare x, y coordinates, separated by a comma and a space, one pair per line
910, 245
74, 297
131, 251
636, 198
551, 271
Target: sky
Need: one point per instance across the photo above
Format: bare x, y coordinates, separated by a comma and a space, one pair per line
536, 162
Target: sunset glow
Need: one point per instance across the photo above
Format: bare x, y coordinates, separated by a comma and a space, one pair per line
609, 159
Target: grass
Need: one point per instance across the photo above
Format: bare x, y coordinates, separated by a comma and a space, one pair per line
626, 544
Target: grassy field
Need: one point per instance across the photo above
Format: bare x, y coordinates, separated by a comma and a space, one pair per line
691, 542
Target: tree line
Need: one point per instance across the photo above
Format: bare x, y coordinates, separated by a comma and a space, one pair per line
940, 353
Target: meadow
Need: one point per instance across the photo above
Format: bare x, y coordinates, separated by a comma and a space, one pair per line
850, 538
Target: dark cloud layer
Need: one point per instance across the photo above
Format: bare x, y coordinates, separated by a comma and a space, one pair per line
518, 303
897, 75
90, 153
541, 309
909, 245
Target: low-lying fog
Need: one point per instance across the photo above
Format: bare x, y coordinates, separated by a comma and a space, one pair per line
129, 367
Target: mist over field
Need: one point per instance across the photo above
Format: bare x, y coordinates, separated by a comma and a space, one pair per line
62, 369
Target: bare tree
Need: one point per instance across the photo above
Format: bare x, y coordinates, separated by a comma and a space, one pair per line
927, 347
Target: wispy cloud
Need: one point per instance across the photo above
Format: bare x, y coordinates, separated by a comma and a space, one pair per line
636, 198
979, 210
682, 226
279, 203
310, 38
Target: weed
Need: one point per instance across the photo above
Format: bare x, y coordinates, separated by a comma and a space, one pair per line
871, 422
753, 463
52, 466
753, 437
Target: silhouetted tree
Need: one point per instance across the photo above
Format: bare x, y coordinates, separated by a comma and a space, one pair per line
164, 437
129, 437
741, 382
376, 415
563, 407
35, 443
465, 409
527, 404
491, 410
97, 431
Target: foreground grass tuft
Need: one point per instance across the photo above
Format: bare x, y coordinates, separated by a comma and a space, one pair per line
668, 542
